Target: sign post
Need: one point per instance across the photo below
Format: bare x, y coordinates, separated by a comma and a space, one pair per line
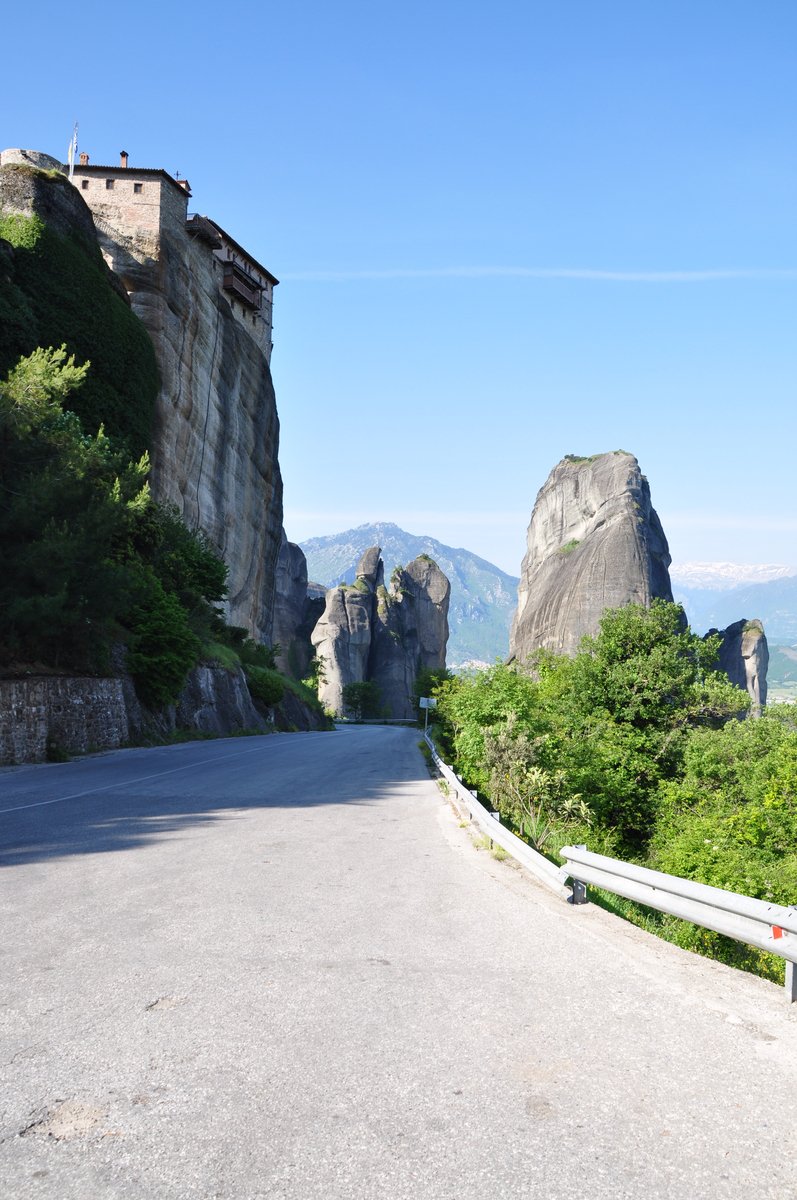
426, 702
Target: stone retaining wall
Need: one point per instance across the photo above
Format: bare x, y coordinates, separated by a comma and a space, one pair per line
75, 714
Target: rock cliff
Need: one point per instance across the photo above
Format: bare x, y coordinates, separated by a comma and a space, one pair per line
297, 609
410, 633
594, 542
214, 436
215, 433
383, 634
55, 288
342, 637
744, 657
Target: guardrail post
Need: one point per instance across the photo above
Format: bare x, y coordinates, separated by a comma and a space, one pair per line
497, 815
579, 895
791, 982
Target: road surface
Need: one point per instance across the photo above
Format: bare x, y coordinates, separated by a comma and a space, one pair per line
278, 967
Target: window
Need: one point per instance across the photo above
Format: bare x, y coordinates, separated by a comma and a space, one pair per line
84, 183
109, 185
138, 188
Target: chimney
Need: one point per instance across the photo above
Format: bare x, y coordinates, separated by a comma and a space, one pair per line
84, 158
122, 158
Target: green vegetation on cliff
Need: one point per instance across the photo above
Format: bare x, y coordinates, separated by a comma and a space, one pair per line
87, 559
633, 747
55, 289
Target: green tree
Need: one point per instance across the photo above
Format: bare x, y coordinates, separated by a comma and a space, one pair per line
65, 499
87, 559
608, 724
361, 700
162, 648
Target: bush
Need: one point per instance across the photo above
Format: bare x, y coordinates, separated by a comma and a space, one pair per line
163, 649
361, 700
266, 686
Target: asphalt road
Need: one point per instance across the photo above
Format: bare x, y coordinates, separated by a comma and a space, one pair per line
279, 967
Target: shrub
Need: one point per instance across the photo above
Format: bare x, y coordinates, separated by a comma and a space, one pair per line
361, 700
163, 649
266, 686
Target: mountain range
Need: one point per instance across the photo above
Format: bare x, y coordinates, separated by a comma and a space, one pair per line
483, 597
722, 576
774, 603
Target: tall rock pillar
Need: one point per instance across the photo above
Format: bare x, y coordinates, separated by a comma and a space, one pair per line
594, 542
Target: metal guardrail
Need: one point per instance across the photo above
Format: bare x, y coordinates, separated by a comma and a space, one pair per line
546, 872
771, 927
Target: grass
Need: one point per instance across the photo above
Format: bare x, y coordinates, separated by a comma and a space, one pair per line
216, 654
691, 937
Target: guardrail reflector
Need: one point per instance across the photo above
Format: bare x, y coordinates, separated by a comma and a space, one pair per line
777, 932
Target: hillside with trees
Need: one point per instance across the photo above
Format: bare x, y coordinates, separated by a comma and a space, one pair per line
638, 748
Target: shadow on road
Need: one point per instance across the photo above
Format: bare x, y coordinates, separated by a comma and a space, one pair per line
160, 800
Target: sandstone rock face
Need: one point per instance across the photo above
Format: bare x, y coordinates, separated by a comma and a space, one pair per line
216, 431
410, 633
594, 542
383, 635
53, 199
31, 158
214, 700
290, 599
298, 607
430, 592
292, 714
342, 637
744, 657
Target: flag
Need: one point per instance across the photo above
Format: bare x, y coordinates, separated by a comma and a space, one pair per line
72, 151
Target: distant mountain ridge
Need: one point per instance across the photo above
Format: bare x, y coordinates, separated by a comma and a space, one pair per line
721, 576
774, 603
483, 597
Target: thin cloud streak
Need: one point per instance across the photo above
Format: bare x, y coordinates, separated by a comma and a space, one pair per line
405, 517
575, 273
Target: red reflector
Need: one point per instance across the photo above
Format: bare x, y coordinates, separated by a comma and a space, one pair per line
777, 932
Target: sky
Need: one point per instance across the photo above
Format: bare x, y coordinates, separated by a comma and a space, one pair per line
503, 234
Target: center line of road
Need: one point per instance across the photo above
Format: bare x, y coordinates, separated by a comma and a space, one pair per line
140, 779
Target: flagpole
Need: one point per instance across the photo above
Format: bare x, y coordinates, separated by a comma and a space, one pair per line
72, 151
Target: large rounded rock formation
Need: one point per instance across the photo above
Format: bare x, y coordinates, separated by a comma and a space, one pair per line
594, 542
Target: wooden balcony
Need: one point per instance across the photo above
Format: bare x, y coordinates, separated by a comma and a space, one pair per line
240, 284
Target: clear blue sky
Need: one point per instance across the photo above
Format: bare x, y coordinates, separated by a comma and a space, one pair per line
504, 232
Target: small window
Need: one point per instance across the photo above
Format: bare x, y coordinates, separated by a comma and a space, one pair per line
138, 188
109, 185
84, 183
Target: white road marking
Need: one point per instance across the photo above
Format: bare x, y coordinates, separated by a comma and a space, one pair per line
122, 782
